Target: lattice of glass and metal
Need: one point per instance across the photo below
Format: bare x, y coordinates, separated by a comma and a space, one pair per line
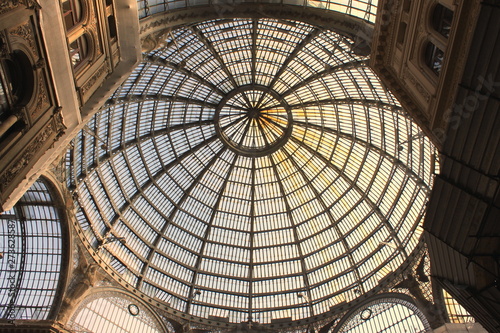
31, 242
114, 312
364, 9
253, 169
388, 314
456, 312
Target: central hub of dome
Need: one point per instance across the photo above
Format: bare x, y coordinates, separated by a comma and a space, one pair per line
253, 121
253, 113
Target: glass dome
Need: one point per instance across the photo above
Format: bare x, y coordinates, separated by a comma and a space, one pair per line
363, 9
252, 169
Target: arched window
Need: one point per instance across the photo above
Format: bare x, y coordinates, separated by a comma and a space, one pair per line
4, 103
112, 26
434, 57
73, 13
117, 312
384, 313
442, 18
17, 82
31, 246
79, 51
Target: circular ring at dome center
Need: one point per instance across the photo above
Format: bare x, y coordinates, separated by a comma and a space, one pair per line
253, 121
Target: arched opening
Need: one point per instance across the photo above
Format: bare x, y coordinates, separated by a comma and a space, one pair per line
21, 77
73, 13
385, 313
17, 82
442, 18
112, 26
433, 57
32, 252
79, 51
113, 311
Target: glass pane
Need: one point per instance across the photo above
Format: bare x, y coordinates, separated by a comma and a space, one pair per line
434, 57
442, 19
250, 161
31, 238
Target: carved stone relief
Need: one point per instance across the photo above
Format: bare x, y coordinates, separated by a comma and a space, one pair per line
408, 77
43, 102
34, 147
85, 276
54, 128
26, 33
87, 86
8, 5
92, 28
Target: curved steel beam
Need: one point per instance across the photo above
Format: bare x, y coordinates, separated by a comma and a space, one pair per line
223, 187
296, 237
333, 222
158, 97
339, 68
419, 181
158, 61
357, 29
354, 101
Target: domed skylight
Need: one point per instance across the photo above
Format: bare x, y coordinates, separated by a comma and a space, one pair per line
253, 169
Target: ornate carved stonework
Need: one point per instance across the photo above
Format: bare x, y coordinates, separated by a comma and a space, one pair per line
85, 275
8, 5
43, 102
26, 32
154, 40
55, 126
92, 29
35, 146
103, 70
316, 16
407, 75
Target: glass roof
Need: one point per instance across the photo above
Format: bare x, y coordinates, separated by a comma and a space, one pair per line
364, 9
389, 315
253, 169
31, 248
113, 312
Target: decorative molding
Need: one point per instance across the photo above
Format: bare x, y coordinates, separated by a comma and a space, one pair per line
8, 5
26, 32
34, 147
59, 122
116, 57
104, 69
54, 126
327, 19
92, 28
408, 77
43, 102
22, 114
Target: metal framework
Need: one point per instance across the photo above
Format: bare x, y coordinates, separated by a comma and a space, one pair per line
30, 267
385, 313
257, 169
364, 9
113, 311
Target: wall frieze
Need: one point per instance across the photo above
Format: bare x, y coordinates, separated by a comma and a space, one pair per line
103, 70
54, 128
33, 148
25, 32
409, 77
